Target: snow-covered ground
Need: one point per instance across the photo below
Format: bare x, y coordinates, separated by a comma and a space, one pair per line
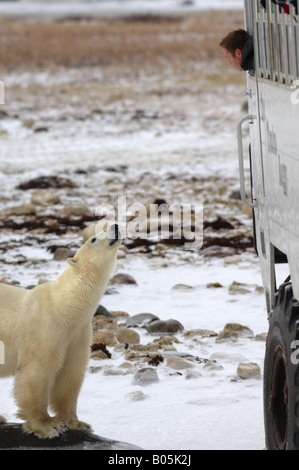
217, 410
181, 147
111, 7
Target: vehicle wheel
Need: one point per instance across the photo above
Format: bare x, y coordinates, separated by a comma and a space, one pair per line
281, 373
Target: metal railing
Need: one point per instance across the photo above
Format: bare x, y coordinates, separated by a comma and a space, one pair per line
276, 40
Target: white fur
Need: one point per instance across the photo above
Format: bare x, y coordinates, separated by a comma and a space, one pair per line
46, 333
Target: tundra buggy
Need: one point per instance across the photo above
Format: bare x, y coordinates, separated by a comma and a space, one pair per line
273, 104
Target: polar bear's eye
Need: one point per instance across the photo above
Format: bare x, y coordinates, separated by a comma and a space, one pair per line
93, 239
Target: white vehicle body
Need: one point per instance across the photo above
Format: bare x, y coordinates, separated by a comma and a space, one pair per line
273, 103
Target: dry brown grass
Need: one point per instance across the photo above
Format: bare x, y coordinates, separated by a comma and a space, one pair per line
131, 42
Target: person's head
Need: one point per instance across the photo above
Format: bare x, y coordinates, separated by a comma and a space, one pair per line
233, 45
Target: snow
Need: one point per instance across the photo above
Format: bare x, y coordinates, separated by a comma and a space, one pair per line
216, 410
209, 412
112, 7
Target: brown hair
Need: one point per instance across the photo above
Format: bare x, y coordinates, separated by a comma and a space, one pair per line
235, 40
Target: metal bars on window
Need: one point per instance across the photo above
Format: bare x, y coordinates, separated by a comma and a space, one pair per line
276, 40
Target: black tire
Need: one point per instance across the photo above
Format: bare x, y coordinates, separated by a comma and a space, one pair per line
281, 373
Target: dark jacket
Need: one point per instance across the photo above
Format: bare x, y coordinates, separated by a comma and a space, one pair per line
247, 62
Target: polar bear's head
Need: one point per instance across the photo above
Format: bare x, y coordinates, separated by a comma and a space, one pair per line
99, 252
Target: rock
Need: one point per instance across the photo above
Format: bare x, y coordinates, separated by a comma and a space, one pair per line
249, 370
226, 336
98, 354
117, 168
101, 310
104, 336
235, 195
136, 356
214, 285
137, 395
118, 314
155, 360
129, 367
123, 278
41, 129
192, 374
234, 259
96, 347
28, 123
44, 198
261, 337
238, 288
178, 363
164, 341
199, 332
121, 254
101, 322
219, 224
139, 355
182, 287
141, 320
216, 251
150, 347
76, 209
110, 291
95, 369
43, 182
120, 347
13, 438
212, 365
234, 331
161, 326
146, 376
24, 209
113, 371
62, 254
127, 336
259, 289
169, 348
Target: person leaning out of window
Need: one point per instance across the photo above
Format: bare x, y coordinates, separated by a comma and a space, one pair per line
238, 49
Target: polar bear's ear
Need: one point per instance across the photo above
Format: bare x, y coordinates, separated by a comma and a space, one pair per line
72, 262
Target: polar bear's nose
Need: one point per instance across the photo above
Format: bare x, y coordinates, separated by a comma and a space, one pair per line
114, 234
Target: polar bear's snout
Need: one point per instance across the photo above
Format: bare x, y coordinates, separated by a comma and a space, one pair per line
114, 234
110, 235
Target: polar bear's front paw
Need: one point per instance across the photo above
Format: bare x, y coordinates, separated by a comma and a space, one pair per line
79, 425
44, 432
45, 429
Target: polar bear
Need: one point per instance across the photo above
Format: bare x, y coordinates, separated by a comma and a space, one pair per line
46, 333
